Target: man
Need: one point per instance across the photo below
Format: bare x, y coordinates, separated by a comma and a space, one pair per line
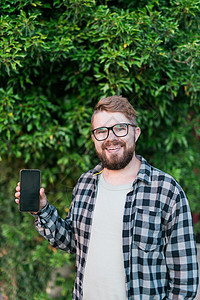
129, 223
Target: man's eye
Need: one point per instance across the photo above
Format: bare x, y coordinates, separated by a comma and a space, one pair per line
100, 131
120, 128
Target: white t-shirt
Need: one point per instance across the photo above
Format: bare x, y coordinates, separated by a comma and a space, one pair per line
104, 276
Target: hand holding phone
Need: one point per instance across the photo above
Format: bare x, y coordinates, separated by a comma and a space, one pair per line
28, 194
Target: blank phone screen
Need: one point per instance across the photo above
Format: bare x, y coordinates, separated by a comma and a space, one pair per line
29, 190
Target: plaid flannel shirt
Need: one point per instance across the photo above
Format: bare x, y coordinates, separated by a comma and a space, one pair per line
159, 250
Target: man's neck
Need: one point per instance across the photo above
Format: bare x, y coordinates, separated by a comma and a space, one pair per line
123, 176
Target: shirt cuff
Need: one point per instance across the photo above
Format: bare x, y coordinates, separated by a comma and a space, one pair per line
44, 212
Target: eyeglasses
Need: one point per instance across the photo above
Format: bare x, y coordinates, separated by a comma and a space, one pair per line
119, 130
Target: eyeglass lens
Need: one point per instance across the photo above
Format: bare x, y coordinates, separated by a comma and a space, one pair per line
118, 129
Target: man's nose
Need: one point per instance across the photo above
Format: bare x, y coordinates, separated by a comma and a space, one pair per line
111, 135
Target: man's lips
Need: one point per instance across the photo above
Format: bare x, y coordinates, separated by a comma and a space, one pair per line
112, 147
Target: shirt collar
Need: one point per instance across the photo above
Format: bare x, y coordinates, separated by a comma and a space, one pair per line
144, 173
97, 170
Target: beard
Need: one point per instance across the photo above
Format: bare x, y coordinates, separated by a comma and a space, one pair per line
115, 162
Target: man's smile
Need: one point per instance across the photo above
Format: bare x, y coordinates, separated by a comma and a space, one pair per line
112, 149
113, 146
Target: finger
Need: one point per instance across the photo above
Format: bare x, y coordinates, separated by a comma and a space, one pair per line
42, 193
18, 188
17, 201
18, 184
17, 194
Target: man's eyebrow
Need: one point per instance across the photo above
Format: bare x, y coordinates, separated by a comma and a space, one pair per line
101, 127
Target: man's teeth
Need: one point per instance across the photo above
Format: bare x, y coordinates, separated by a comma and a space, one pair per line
113, 148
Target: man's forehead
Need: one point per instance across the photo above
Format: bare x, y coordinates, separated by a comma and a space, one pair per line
104, 118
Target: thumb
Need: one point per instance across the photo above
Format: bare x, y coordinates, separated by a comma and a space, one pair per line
42, 194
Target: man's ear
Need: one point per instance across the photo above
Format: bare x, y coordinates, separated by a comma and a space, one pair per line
137, 133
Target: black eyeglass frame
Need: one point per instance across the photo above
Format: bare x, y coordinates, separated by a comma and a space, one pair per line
111, 128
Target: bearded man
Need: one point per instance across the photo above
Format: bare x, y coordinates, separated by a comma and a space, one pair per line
129, 223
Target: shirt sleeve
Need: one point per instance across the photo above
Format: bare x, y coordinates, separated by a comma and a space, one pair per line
181, 253
57, 231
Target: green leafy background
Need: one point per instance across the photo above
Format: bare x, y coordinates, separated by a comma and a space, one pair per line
57, 59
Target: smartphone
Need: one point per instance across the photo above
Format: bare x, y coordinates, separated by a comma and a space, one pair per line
29, 190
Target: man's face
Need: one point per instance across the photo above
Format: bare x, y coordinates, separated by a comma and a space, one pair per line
115, 153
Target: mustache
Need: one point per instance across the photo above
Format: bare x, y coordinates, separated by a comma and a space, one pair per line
113, 143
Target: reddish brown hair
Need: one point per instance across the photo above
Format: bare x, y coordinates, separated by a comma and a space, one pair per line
116, 104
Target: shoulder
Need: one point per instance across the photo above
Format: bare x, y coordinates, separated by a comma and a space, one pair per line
165, 181
169, 193
91, 174
156, 177
162, 186
88, 178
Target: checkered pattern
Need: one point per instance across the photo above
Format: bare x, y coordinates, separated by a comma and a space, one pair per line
159, 249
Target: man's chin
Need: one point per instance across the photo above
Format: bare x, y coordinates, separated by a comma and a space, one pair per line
114, 167
115, 163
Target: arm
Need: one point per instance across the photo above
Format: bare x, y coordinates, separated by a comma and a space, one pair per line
181, 254
57, 231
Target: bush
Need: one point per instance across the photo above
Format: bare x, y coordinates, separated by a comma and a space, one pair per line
57, 58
